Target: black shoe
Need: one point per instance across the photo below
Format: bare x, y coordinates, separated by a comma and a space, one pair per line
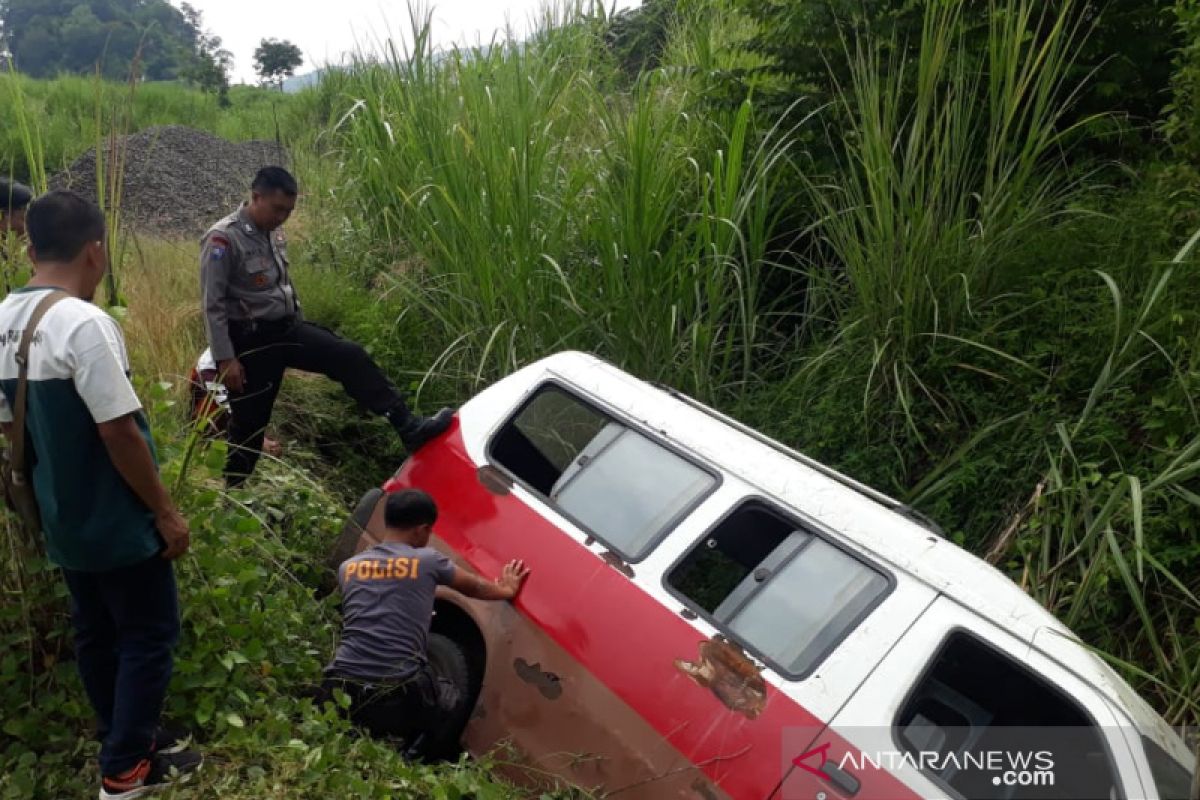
416, 431
170, 740
150, 774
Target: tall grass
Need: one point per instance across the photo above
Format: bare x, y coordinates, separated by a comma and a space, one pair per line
1086, 544
946, 159
528, 211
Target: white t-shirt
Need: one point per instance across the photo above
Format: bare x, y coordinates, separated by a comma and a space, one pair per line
75, 341
78, 377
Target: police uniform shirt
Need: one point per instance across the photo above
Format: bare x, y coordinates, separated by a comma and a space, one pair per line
243, 277
387, 606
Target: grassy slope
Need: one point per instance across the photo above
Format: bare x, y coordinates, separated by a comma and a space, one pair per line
256, 629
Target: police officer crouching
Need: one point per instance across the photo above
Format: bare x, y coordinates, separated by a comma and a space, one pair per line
256, 330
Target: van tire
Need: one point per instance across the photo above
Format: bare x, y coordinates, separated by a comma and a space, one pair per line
449, 662
352, 530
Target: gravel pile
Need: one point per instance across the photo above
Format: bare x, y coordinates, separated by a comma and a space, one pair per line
178, 180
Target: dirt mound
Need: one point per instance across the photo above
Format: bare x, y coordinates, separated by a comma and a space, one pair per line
178, 180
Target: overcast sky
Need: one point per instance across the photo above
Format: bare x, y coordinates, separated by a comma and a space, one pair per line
325, 29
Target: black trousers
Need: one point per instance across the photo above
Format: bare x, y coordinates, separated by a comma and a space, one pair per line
266, 351
403, 710
126, 623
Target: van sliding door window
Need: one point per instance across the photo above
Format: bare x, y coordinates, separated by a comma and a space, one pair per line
975, 703
783, 591
621, 486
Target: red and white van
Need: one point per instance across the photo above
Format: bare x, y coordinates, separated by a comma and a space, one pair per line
713, 615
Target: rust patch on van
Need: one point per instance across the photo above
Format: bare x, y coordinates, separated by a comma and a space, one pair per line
494, 480
701, 788
547, 683
617, 563
724, 669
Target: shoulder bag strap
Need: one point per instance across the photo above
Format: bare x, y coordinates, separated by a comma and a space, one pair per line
18, 441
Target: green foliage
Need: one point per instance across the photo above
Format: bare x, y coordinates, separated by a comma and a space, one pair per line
1182, 114
209, 64
1125, 62
932, 189
47, 37
275, 60
257, 631
636, 36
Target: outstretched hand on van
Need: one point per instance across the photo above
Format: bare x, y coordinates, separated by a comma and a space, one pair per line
503, 588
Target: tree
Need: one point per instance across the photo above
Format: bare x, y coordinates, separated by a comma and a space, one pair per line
275, 60
46, 37
210, 63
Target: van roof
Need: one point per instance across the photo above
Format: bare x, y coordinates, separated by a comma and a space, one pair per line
864, 518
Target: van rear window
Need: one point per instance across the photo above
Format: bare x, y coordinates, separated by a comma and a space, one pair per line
1171, 779
783, 591
973, 702
622, 487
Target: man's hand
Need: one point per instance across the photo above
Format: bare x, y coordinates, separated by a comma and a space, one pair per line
232, 374
174, 530
503, 588
513, 576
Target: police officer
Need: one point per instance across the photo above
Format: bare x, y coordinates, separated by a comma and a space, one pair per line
256, 330
14, 197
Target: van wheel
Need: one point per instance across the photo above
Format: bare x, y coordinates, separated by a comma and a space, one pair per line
452, 671
352, 530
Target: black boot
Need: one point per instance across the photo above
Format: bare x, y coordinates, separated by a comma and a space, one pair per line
415, 431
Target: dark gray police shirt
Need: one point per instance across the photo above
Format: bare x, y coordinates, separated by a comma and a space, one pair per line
243, 276
387, 606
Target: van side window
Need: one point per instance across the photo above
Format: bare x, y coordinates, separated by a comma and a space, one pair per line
973, 702
787, 593
623, 487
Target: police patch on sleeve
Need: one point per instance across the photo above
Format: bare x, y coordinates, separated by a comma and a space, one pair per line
218, 246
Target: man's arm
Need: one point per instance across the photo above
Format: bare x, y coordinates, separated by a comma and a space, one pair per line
217, 259
503, 588
131, 456
97, 351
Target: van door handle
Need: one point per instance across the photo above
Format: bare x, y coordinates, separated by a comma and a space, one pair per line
843, 781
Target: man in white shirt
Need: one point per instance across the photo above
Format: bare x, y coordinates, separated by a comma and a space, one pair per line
108, 521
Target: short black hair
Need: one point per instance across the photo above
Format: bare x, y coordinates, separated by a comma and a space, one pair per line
409, 508
269, 179
60, 224
13, 196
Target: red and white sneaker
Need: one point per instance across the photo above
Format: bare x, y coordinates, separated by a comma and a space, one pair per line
150, 774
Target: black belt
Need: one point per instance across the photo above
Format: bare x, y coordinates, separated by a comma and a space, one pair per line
261, 327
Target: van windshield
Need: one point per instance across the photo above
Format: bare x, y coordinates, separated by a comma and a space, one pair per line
1171, 779
787, 593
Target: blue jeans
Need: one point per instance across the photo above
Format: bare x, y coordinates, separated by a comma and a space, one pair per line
126, 625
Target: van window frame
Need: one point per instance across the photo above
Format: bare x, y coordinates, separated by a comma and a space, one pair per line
803, 523
657, 437
981, 639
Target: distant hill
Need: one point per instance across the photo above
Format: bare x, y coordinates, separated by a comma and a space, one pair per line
298, 82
